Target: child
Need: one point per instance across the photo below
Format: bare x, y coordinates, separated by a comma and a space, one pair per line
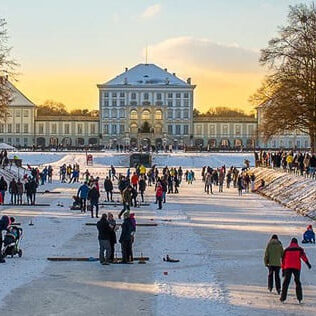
309, 235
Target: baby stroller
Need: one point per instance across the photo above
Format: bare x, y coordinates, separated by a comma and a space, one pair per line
12, 241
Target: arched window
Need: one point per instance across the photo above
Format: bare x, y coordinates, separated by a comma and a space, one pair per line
114, 113
122, 113
134, 128
158, 115
133, 115
145, 115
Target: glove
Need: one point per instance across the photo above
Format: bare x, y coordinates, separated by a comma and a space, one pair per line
309, 265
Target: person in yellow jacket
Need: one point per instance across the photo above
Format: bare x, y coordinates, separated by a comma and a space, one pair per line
289, 161
142, 170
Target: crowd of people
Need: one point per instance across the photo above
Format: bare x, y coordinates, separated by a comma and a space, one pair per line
303, 164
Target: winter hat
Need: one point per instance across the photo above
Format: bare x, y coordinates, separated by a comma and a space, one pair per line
274, 237
294, 241
310, 227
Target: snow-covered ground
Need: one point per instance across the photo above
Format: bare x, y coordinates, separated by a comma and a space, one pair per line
219, 240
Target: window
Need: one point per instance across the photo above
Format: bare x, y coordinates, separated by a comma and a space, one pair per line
134, 128
106, 103
26, 128
54, 129
158, 115
146, 96
17, 113
106, 94
114, 113
170, 95
25, 141
199, 129
178, 95
9, 128
237, 130
186, 95
106, 129
133, 115
92, 129
170, 130
122, 113
306, 143
185, 114
9, 140
113, 94
122, 102
1, 128
178, 102
114, 129
122, 129
133, 96
41, 128
170, 103
145, 115
26, 113
212, 130
298, 143
186, 129
186, 103
1, 140
250, 130
290, 143
225, 129
18, 128
17, 141
122, 95
106, 113
159, 96
114, 103
79, 129
170, 114
67, 129
178, 114
178, 129
274, 144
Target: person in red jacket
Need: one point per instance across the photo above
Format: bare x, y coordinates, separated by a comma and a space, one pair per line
134, 180
159, 193
291, 264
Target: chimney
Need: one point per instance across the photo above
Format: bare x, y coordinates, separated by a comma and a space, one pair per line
174, 74
189, 80
126, 69
166, 69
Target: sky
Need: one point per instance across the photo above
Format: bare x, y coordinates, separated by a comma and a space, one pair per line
66, 47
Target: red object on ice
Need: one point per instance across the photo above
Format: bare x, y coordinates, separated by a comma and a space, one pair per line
165, 273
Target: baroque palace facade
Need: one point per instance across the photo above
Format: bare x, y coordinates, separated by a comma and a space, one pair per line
146, 105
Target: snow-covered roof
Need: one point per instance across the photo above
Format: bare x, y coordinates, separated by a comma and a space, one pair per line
18, 98
146, 74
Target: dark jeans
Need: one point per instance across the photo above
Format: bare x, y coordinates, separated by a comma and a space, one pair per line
104, 246
30, 198
126, 250
20, 195
159, 199
142, 195
109, 195
13, 198
286, 282
83, 204
112, 250
96, 205
273, 270
126, 207
1, 257
208, 188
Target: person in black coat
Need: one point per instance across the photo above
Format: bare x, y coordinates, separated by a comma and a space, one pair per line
113, 228
104, 239
127, 238
5, 222
108, 187
93, 197
3, 188
142, 187
13, 189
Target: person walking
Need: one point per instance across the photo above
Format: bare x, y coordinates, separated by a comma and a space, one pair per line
159, 195
134, 180
291, 264
127, 198
113, 228
83, 195
104, 239
3, 188
93, 197
108, 187
240, 185
142, 187
127, 238
272, 260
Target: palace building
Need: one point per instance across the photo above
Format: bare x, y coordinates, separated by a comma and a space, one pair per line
146, 105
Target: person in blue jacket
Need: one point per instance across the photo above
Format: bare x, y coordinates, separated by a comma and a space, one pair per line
83, 195
309, 235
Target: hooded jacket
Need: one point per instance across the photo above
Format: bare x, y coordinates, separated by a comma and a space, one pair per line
292, 257
4, 223
273, 253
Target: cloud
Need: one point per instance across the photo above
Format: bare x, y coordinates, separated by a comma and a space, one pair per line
151, 11
205, 54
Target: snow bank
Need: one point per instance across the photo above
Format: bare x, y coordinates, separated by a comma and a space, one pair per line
292, 191
37, 158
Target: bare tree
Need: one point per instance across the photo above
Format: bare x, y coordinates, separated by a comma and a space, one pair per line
288, 94
7, 66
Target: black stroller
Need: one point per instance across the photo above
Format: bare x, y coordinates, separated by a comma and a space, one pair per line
12, 241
